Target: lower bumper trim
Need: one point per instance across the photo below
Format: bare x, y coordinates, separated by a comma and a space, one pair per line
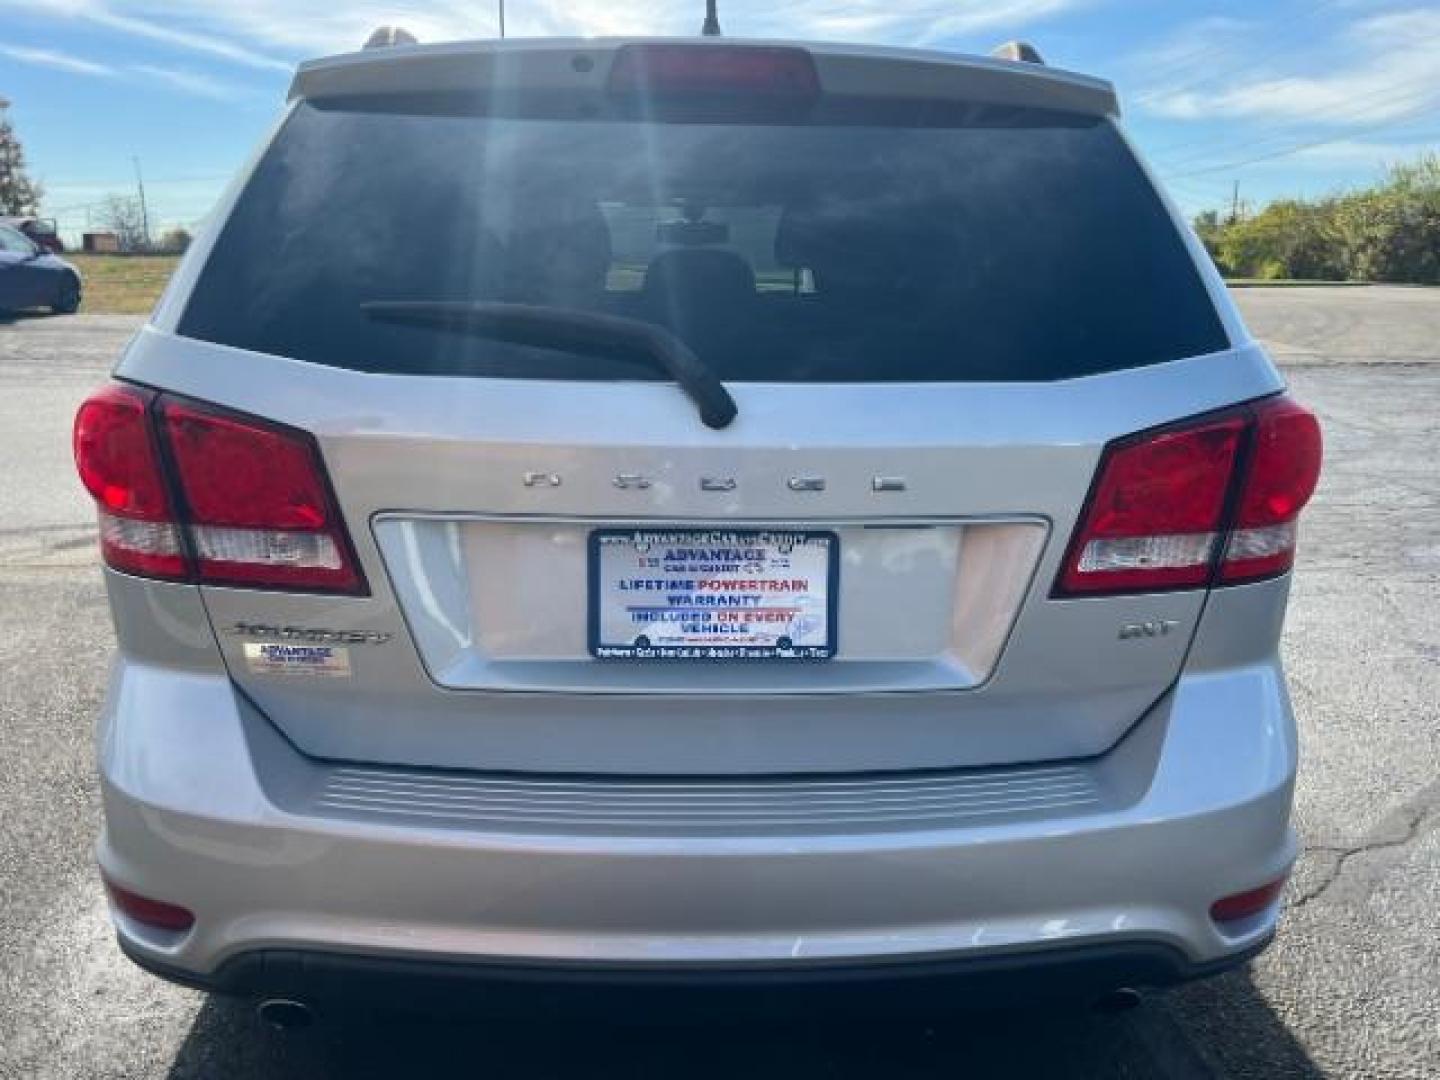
450, 986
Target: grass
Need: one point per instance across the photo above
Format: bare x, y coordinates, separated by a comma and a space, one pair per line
1288, 283
130, 284
123, 284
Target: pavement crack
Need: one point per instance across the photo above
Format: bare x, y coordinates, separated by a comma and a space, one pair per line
1345, 854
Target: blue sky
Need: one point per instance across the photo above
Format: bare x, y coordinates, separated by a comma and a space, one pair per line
1285, 96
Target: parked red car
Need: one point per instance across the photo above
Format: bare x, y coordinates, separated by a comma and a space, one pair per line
41, 230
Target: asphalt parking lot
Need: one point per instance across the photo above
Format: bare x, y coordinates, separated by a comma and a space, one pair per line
1350, 989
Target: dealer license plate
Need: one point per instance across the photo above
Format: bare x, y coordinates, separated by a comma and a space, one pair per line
712, 594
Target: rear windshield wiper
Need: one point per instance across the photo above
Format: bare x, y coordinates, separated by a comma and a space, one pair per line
571, 331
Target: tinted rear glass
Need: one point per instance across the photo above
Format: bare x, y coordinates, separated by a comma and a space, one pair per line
1023, 246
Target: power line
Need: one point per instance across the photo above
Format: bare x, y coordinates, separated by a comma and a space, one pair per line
1211, 188
1277, 154
112, 182
1240, 63
1416, 108
1283, 142
1386, 97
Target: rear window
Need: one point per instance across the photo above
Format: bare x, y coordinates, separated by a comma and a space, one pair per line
1010, 245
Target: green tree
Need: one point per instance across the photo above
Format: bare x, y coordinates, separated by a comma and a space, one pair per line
1288, 239
1392, 232
175, 241
18, 193
1387, 232
1208, 227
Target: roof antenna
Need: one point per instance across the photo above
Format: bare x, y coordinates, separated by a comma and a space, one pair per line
712, 20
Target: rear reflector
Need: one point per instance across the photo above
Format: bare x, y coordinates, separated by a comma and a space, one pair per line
1169, 505
187, 491
1242, 905
682, 70
155, 913
119, 465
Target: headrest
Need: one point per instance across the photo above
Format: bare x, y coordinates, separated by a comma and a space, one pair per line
847, 251
684, 279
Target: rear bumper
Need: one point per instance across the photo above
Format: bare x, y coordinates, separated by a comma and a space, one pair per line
208, 807
439, 986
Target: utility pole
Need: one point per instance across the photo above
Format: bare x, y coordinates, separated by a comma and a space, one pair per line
502, 18
1235, 204
712, 20
144, 210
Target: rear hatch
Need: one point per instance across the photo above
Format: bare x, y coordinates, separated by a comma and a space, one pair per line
931, 314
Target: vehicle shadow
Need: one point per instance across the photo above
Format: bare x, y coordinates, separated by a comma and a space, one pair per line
1221, 1028
27, 315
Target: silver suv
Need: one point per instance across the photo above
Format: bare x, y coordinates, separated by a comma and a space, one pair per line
698, 510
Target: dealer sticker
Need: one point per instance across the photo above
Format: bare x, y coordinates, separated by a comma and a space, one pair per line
279, 658
712, 594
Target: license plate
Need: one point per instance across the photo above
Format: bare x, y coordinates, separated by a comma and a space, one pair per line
712, 594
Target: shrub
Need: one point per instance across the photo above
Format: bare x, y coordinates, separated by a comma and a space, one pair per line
1390, 232
175, 241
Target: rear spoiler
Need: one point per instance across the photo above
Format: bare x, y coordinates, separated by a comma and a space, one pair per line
580, 67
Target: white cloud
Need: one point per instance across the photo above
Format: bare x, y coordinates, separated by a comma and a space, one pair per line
184, 39
272, 34
191, 82
51, 58
898, 22
1384, 69
1189, 55
1347, 152
165, 25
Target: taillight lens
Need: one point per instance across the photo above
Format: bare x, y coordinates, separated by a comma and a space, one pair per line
251, 505
119, 465
1155, 516
1283, 470
1169, 504
256, 503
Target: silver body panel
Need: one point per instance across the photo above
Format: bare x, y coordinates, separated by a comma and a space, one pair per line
207, 805
476, 786
1045, 678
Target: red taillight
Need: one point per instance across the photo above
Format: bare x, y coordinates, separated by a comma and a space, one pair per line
1242, 905
116, 456
253, 505
1167, 504
1283, 470
1155, 516
257, 507
671, 70
156, 913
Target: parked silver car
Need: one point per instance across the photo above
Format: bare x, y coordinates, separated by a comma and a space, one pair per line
732, 512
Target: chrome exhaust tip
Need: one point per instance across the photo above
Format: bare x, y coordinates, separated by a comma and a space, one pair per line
283, 1014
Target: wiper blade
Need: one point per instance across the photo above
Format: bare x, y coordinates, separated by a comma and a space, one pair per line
571, 331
